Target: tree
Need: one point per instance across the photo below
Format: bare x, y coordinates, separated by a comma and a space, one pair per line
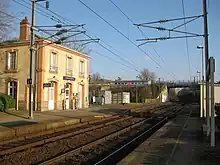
6, 20
77, 46
119, 79
95, 77
145, 74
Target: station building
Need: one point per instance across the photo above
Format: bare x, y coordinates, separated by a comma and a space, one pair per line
61, 73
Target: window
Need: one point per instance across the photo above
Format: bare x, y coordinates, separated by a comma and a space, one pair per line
12, 89
69, 65
11, 60
82, 68
54, 62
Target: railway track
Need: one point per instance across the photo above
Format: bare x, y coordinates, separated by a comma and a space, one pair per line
113, 147
55, 147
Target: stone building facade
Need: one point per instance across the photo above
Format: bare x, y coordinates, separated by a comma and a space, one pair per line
62, 74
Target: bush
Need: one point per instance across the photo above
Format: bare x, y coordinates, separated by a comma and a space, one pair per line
8, 101
1, 106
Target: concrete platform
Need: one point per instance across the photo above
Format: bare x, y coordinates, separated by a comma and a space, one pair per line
179, 142
16, 123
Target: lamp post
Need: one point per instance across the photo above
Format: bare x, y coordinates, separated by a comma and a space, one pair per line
202, 112
136, 89
199, 76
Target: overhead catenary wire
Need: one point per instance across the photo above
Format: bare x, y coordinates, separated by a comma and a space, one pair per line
14, 17
39, 12
170, 20
142, 33
115, 54
56, 20
187, 45
133, 43
98, 43
145, 25
125, 59
9, 15
111, 59
66, 20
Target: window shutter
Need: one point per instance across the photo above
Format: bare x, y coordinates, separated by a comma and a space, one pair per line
9, 61
54, 59
51, 59
67, 67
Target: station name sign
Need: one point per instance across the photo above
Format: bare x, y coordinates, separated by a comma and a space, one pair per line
47, 85
69, 78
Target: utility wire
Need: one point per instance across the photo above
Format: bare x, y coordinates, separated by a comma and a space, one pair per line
39, 12
142, 33
187, 46
126, 60
51, 35
109, 58
109, 50
10, 15
133, 43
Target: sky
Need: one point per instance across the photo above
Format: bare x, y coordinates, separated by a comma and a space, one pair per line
168, 59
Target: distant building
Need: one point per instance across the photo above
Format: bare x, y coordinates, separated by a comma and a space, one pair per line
61, 73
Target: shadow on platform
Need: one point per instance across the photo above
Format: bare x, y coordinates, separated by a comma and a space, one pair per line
17, 123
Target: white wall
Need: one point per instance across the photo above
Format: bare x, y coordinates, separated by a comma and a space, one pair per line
216, 97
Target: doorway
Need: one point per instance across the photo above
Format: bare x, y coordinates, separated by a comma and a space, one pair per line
51, 97
81, 96
67, 96
12, 91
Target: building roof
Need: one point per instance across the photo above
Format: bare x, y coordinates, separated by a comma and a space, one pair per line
13, 41
16, 41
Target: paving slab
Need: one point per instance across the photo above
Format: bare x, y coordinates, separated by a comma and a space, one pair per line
178, 142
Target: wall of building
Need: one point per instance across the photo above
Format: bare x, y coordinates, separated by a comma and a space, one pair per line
216, 97
20, 75
58, 77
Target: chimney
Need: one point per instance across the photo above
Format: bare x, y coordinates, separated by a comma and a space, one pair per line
24, 29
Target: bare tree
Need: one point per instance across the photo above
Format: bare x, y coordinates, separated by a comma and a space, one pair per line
119, 79
95, 77
145, 74
70, 42
6, 20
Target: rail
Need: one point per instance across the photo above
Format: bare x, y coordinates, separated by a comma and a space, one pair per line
114, 134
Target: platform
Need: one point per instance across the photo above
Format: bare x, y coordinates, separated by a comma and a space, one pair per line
179, 142
17, 123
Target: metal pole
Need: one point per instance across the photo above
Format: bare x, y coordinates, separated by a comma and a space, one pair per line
203, 111
206, 62
136, 95
212, 70
159, 92
35, 80
31, 57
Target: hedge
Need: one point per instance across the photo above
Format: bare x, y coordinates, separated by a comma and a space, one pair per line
7, 101
1, 106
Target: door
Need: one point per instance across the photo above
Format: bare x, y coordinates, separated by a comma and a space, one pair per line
51, 98
13, 91
67, 96
80, 97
